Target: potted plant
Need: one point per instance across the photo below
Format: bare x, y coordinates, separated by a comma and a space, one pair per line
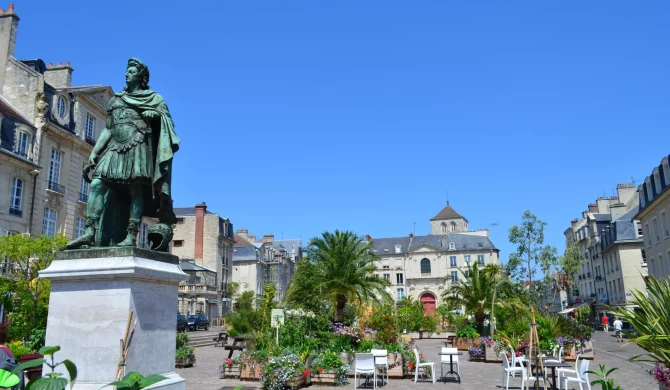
492, 349
329, 369
231, 368
465, 337
568, 344
476, 353
252, 364
184, 355
285, 371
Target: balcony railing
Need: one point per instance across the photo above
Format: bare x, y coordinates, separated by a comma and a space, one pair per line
83, 197
426, 274
196, 288
15, 211
90, 140
56, 187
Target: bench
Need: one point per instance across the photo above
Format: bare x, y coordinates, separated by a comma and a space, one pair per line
449, 342
221, 339
239, 343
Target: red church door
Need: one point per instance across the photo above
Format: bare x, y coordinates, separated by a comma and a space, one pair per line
428, 304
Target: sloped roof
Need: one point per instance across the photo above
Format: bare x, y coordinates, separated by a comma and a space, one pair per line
288, 245
186, 211
8, 109
242, 253
387, 245
240, 241
187, 265
462, 242
447, 213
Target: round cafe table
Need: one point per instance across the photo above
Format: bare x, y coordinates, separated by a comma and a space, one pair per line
451, 366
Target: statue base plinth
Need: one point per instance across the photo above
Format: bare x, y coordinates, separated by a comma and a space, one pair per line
92, 292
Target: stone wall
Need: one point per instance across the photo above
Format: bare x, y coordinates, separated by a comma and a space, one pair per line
21, 87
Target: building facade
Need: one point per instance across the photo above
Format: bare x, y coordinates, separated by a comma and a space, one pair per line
654, 200
205, 240
48, 130
607, 238
259, 262
424, 267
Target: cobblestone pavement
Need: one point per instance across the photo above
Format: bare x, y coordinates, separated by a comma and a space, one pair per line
474, 375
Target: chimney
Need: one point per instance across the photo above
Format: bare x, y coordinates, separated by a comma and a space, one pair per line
411, 235
59, 76
593, 208
9, 26
368, 238
268, 238
200, 210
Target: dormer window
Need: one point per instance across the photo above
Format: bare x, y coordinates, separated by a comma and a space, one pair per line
452, 245
398, 248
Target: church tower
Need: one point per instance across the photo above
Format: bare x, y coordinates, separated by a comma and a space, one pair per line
448, 221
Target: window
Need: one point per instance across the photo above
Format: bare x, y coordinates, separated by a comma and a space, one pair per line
655, 225
647, 235
387, 277
398, 249
452, 261
644, 256
480, 259
23, 144
79, 227
401, 293
83, 190
90, 126
49, 222
452, 226
444, 227
638, 226
54, 168
452, 245
454, 276
178, 243
62, 107
651, 267
467, 259
399, 279
143, 236
425, 266
16, 200
467, 273
664, 224
660, 267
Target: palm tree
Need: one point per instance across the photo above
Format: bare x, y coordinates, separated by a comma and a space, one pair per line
475, 293
495, 273
344, 270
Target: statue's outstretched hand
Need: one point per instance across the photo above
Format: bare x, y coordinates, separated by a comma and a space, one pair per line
92, 159
150, 114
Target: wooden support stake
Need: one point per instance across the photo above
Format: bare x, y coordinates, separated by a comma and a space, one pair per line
123, 347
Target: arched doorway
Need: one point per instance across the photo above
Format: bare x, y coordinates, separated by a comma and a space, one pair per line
428, 301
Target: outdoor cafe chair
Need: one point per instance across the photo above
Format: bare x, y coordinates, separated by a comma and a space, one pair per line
581, 378
381, 362
418, 365
444, 359
510, 371
365, 365
563, 371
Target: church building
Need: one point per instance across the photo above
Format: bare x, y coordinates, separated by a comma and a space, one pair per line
424, 267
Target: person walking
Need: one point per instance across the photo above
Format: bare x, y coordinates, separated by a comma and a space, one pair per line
606, 322
617, 328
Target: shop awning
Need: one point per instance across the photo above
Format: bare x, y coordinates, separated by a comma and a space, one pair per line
568, 310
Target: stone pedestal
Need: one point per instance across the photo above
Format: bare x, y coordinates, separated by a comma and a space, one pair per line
92, 292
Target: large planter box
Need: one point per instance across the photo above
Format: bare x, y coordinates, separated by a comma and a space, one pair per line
395, 366
187, 361
569, 353
324, 378
251, 371
463, 344
299, 381
586, 351
232, 371
492, 356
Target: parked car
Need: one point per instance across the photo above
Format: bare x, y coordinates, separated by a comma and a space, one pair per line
181, 323
198, 322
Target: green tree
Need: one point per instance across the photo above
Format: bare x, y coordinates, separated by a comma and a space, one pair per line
343, 270
475, 292
496, 275
302, 292
23, 293
531, 251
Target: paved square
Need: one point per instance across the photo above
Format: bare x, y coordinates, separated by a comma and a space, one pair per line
474, 375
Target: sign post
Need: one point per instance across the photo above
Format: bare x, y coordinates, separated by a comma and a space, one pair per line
277, 320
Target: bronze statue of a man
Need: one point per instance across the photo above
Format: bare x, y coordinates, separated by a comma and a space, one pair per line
131, 167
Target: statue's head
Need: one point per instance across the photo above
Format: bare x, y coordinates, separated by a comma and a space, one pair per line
137, 74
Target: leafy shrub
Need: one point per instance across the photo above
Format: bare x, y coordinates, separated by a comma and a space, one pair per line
331, 361
466, 331
17, 349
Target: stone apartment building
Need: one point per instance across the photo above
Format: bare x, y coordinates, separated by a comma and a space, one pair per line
654, 199
424, 267
203, 241
612, 261
258, 262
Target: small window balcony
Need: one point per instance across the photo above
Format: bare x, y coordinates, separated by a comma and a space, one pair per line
90, 140
17, 212
56, 187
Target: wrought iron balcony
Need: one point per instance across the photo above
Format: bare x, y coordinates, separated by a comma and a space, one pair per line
56, 187
83, 197
15, 211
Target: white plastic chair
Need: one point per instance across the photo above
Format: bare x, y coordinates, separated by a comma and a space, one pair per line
510, 371
418, 365
365, 364
444, 359
563, 371
559, 358
581, 378
381, 362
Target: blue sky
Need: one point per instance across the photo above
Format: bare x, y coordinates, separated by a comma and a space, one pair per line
298, 117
